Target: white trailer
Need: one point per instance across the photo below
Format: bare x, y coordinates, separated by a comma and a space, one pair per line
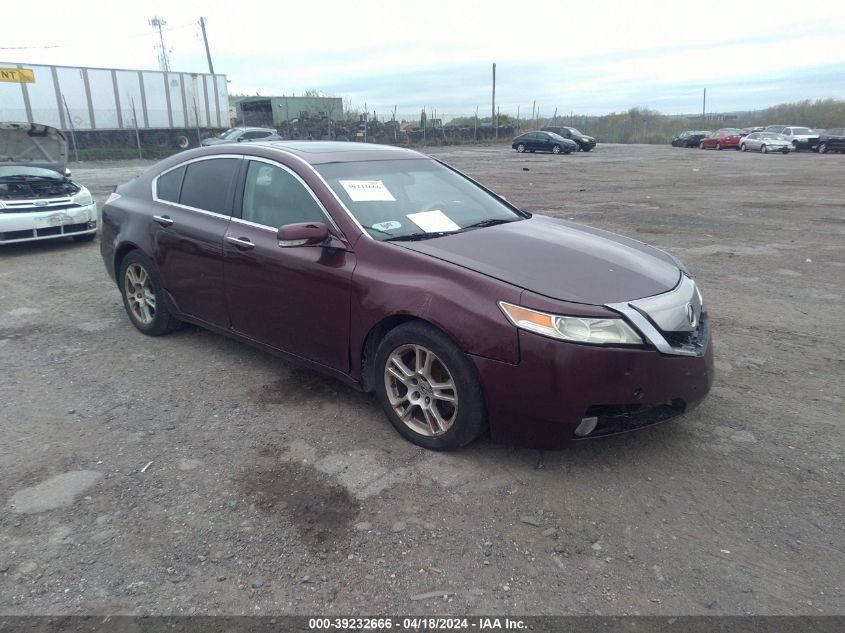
80, 99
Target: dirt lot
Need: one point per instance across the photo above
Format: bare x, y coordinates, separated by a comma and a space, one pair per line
272, 489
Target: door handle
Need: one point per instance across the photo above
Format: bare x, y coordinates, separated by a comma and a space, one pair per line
164, 220
240, 242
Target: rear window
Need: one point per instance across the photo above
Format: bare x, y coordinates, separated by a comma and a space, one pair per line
207, 183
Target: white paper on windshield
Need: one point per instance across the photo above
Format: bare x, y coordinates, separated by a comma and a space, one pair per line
367, 191
433, 221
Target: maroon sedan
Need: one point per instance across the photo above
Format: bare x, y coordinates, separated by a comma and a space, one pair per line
397, 274
726, 138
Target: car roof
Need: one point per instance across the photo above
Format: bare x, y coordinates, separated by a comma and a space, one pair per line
320, 152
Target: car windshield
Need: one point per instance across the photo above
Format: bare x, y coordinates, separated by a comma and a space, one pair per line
33, 172
556, 137
412, 199
231, 133
731, 131
801, 130
572, 130
773, 136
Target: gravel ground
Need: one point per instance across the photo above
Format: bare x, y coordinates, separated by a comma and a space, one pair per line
193, 474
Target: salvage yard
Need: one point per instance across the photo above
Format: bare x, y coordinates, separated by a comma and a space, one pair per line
193, 474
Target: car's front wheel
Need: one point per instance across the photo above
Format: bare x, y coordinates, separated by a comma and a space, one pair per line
822, 148
743, 147
764, 149
143, 295
556, 149
520, 148
428, 388
718, 146
701, 145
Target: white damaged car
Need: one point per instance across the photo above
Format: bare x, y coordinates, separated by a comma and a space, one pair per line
38, 200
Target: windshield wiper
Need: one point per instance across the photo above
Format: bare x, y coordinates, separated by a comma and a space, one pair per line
415, 237
490, 222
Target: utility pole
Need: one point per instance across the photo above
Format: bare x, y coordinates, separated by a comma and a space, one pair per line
475, 131
704, 105
163, 61
493, 109
205, 41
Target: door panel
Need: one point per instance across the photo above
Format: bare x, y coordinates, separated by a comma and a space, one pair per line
293, 299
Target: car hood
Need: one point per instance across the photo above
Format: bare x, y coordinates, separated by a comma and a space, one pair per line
558, 259
215, 141
33, 145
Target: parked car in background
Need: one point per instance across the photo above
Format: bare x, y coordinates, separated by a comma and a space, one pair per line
38, 200
801, 137
543, 142
777, 129
726, 138
244, 134
690, 138
751, 130
765, 142
585, 143
398, 274
832, 140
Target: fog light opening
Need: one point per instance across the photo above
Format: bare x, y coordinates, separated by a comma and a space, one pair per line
587, 426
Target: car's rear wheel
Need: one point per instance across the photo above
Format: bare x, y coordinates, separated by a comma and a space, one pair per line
822, 148
520, 148
743, 147
701, 145
428, 388
764, 149
143, 295
556, 149
795, 146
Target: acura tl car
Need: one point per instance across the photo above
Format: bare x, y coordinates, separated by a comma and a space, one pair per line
543, 142
38, 200
399, 275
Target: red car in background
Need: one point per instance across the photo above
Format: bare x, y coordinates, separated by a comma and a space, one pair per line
727, 137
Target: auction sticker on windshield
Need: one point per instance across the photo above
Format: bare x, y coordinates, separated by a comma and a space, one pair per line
433, 221
367, 191
387, 226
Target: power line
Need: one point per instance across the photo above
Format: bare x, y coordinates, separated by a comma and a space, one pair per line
73, 43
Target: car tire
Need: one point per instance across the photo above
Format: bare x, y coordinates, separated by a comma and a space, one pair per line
143, 296
520, 148
88, 237
411, 358
764, 149
743, 147
701, 145
556, 149
719, 146
822, 148
795, 146
586, 149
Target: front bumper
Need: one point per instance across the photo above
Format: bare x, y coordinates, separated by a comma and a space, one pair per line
805, 143
45, 225
539, 402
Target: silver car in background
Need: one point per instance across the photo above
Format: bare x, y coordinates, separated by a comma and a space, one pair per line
766, 142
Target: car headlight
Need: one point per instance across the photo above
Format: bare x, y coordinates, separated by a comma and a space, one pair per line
82, 197
601, 331
585, 139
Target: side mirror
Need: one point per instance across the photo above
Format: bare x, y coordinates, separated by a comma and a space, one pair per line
302, 234
240, 138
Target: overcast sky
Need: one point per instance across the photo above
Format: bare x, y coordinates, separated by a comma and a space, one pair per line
591, 57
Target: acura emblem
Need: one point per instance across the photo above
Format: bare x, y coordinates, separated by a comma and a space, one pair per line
690, 314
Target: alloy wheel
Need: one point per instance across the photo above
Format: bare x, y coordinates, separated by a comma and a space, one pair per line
520, 148
822, 148
421, 390
140, 293
764, 149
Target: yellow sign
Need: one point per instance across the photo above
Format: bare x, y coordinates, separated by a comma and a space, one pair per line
17, 75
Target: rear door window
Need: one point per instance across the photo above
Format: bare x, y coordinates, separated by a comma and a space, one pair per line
169, 185
207, 184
